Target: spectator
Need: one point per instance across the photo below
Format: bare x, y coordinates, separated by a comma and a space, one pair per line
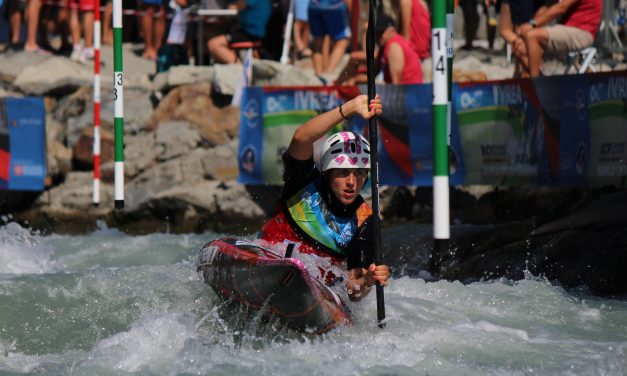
252, 19
301, 29
577, 28
107, 29
153, 27
16, 14
415, 26
328, 18
399, 61
176, 50
82, 53
32, 28
513, 14
471, 21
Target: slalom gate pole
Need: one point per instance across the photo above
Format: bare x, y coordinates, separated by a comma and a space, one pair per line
450, 54
287, 36
96, 152
118, 104
374, 160
441, 225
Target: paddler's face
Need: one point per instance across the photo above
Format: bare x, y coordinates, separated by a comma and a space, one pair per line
347, 183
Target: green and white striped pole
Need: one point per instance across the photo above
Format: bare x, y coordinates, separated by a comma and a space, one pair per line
439, 36
118, 104
450, 53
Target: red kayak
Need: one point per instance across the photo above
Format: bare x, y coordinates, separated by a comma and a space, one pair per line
256, 276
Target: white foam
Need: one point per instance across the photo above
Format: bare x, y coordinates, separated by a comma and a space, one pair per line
152, 342
24, 253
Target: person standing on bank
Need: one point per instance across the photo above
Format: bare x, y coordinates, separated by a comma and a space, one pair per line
320, 208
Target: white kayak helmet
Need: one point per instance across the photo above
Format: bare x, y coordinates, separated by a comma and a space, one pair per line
344, 150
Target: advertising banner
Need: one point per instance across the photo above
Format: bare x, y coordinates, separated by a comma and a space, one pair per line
22, 144
567, 131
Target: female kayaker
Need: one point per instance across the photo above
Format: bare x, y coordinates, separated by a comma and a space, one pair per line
320, 208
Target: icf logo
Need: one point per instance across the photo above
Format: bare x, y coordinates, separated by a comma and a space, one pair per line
251, 113
470, 100
274, 105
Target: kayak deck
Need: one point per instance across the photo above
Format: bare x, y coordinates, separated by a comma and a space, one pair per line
245, 272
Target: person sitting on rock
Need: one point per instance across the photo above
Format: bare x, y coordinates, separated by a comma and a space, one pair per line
320, 208
513, 14
578, 26
252, 18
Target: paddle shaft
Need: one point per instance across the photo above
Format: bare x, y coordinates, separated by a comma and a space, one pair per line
374, 160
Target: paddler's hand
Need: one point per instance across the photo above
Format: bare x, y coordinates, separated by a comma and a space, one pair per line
356, 284
378, 273
360, 106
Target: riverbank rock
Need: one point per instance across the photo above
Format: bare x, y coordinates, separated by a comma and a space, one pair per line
583, 248
83, 149
193, 104
53, 75
182, 75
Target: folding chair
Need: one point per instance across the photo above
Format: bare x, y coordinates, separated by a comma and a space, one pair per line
581, 60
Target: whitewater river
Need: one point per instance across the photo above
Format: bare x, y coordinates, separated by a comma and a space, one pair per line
107, 303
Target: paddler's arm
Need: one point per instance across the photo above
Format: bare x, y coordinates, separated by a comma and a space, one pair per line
301, 146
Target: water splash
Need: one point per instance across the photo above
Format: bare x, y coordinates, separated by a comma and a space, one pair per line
22, 252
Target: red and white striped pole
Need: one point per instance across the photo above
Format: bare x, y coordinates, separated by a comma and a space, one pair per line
97, 33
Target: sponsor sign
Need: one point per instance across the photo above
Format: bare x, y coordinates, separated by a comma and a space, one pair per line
566, 131
22, 144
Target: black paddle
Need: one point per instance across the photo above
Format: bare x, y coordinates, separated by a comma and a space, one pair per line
374, 161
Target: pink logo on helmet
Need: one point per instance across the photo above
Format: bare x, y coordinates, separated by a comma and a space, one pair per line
353, 160
347, 142
339, 160
364, 160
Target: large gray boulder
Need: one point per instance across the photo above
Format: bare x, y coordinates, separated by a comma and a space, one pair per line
226, 78
73, 198
137, 109
53, 75
220, 162
139, 154
185, 171
175, 138
12, 64
182, 75
273, 73
193, 103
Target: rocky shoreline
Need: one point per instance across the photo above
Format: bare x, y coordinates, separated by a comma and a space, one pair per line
181, 140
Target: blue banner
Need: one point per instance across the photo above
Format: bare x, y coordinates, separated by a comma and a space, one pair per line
22, 144
567, 131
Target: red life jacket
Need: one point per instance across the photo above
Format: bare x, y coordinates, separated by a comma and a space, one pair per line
278, 230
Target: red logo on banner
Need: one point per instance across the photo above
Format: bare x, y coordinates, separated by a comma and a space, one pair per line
5, 160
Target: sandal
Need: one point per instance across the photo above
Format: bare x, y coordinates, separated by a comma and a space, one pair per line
304, 53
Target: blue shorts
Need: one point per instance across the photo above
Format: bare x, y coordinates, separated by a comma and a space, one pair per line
333, 22
301, 10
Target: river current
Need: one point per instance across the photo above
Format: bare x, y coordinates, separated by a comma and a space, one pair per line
108, 303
